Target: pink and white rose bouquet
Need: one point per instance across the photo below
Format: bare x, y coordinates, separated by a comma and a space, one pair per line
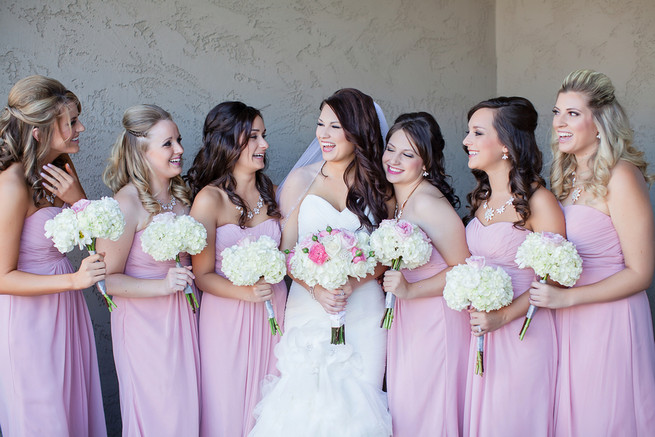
399, 244
251, 259
550, 256
168, 235
84, 222
328, 258
479, 286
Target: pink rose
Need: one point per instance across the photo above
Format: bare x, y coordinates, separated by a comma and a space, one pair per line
323, 234
80, 205
404, 228
552, 238
358, 255
348, 238
476, 261
317, 254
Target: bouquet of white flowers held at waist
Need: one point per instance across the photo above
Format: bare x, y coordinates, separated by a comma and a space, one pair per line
251, 259
168, 235
399, 244
478, 286
328, 258
550, 256
84, 222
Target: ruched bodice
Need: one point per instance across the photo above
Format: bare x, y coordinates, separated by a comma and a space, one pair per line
37, 253
316, 213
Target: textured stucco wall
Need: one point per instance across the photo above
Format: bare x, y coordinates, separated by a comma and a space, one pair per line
539, 42
282, 56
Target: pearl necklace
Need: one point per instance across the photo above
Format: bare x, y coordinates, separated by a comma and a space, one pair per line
255, 210
167, 206
489, 213
575, 194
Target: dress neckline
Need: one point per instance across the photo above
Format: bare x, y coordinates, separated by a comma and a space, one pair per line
247, 227
328, 203
491, 224
589, 207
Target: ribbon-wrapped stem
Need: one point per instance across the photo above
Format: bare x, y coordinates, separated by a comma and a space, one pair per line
100, 285
275, 328
188, 292
338, 328
479, 357
390, 300
530, 314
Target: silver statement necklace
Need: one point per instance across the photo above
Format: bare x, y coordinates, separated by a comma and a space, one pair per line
255, 210
167, 206
489, 213
575, 194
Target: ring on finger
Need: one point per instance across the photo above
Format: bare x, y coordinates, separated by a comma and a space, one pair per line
479, 328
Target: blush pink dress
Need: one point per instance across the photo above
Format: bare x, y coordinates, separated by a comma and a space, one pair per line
155, 343
427, 356
606, 380
236, 346
516, 395
49, 381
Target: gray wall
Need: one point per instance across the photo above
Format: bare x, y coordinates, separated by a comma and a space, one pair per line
285, 56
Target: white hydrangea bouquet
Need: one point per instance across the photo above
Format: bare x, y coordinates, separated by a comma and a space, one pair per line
399, 244
168, 235
248, 260
479, 286
550, 256
81, 224
327, 258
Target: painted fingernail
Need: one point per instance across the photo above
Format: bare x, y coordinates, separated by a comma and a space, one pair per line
42, 175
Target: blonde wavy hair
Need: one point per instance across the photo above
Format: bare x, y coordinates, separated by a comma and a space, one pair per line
34, 102
616, 137
127, 162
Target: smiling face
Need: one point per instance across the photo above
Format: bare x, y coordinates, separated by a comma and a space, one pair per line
164, 152
482, 144
573, 123
66, 132
402, 163
332, 138
253, 154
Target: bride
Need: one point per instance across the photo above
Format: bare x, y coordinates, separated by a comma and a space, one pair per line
326, 389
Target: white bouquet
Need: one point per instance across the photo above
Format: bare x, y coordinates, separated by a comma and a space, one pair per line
84, 222
248, 260
400, 245
327, 258
550, 256
168, 235
479, 286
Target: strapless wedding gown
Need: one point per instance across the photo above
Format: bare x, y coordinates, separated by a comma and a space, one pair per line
324, 389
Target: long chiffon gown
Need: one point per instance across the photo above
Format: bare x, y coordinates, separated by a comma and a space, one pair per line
49, 381
606, 380
323, 389
236, 346
516, 395
427, 353
155, 343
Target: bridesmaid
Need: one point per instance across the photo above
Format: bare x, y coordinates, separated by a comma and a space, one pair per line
233, 199
509, 201
49, 381
606, 382
154, 331
427, 351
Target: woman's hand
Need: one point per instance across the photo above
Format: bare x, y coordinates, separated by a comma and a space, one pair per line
177, 279
333, 301
549, 296
63, 184
260, 291
394, 282
91, 271
483, 322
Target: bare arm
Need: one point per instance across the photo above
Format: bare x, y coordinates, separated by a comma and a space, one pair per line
632, 216
207, 207
16, 202
117, 252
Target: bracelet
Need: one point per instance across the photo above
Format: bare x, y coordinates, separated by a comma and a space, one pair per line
311, 292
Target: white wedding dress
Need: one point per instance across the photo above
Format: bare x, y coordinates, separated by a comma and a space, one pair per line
324, 389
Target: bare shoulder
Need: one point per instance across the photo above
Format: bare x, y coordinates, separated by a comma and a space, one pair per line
12, 184
431, 206
543, 199
210, 197
626, 176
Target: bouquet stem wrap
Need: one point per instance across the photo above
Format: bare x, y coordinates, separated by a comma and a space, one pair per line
338, 322
190, 295
102, 288
275, 328
530, 314
479, 357
390, 300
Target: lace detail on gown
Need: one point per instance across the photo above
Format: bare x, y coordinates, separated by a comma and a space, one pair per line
324, 389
